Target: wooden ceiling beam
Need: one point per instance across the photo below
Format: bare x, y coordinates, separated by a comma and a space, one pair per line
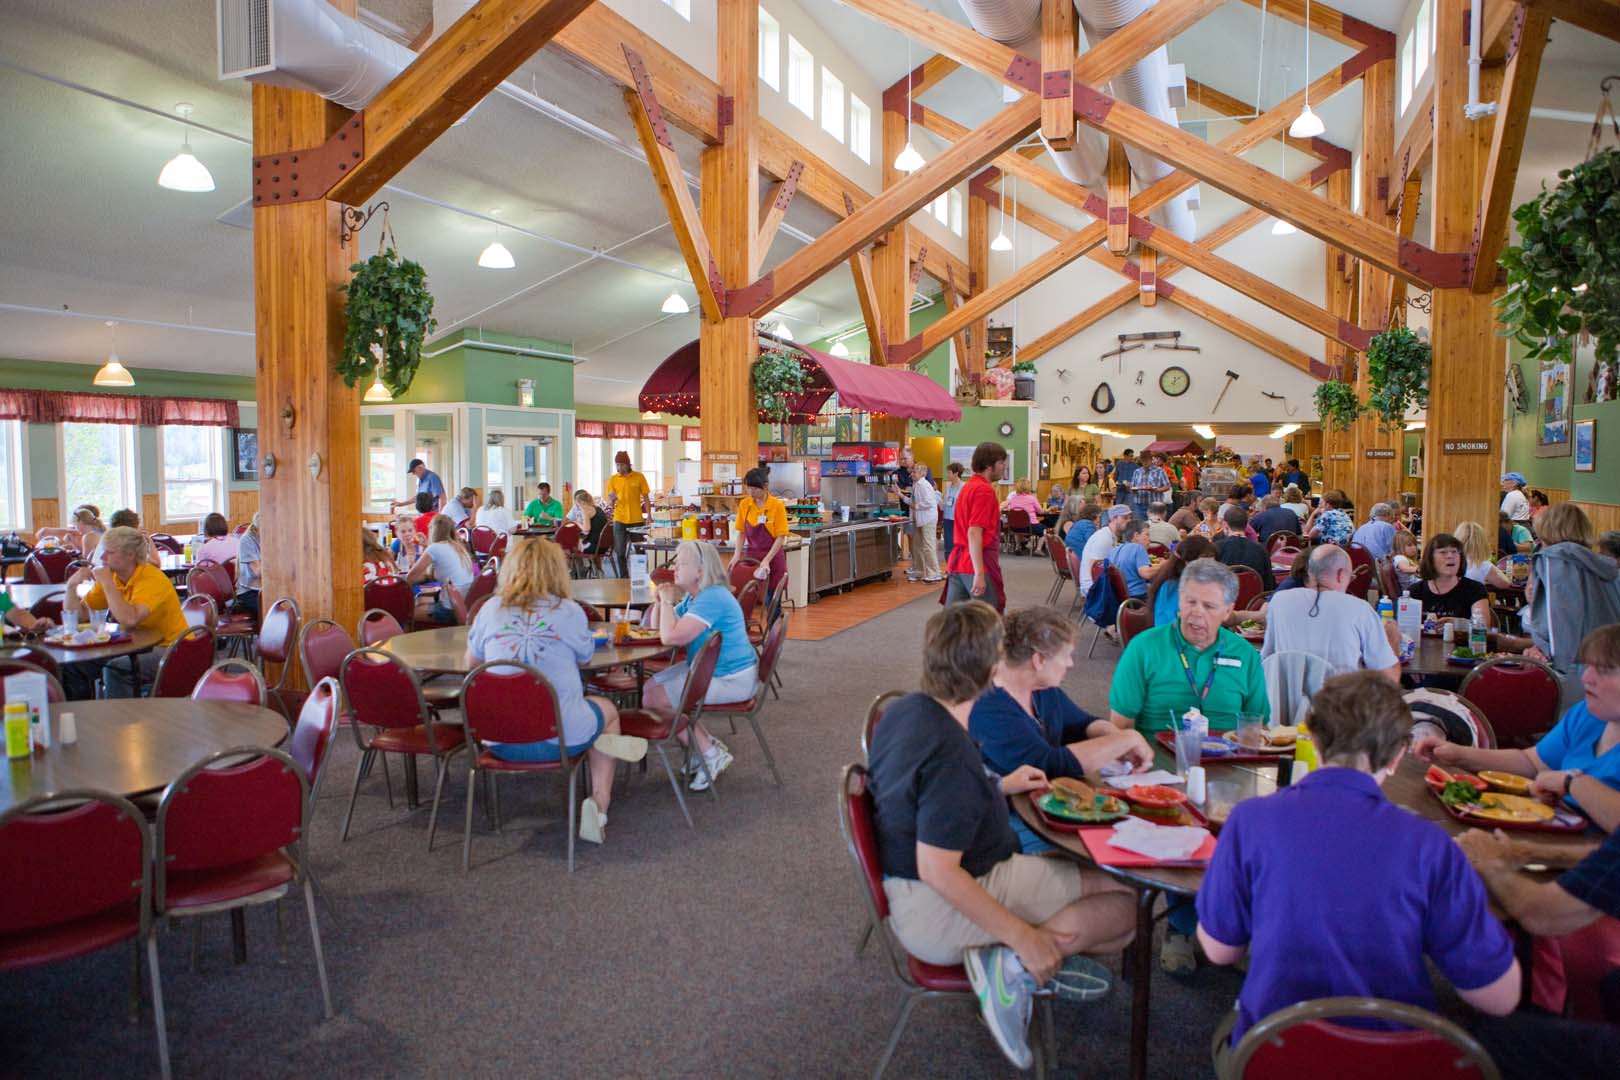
777, 201
1119, 198
1601, 17
1406, 212
1057, 66
920, 79
860, 265
1497, 33
1507, 143
471, 58
1330, 23
1415, 149
1237, 109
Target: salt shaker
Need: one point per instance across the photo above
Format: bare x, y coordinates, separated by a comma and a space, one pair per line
1448, 632
1196, 784
67, 729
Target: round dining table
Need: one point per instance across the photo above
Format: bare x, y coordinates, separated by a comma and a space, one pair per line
613, 593
1234, 782
444, 650
135, 746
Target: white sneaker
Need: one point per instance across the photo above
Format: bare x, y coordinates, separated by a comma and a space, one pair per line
691, 766
718, 761
592, 822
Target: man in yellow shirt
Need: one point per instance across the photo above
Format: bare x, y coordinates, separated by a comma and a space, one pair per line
136, 595
632, 502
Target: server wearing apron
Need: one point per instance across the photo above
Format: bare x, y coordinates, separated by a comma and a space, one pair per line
762, 529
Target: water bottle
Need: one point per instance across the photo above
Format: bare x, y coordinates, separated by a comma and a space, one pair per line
1386, 609
1477, 639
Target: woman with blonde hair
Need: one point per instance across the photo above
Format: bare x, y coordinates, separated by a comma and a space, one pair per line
697, 604
87, 525
447, 562
1023, 498
531, 620
375, 561
495, 514
593, 520
1478, 547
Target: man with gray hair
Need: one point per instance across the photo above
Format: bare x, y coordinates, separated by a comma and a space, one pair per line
1274, 518
1324, 620
1378, 535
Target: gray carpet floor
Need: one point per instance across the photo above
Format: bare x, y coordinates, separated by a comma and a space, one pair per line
724, 950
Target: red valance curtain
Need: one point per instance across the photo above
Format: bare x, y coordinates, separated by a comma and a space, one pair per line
61, 407
602, 429
655, 431
691, 434
590, 429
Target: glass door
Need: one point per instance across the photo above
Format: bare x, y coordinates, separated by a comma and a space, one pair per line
518, 465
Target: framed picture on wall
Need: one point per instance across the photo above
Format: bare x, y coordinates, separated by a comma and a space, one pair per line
1414, 466
1586, 446
1554, 399
244, 454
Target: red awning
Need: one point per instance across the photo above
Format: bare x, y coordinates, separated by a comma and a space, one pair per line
673, 388
1174, 446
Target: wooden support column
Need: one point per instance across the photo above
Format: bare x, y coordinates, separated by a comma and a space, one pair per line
1379, 463
1465, 382
978, 241
891, 261
1057, 69
308, 521
729, 174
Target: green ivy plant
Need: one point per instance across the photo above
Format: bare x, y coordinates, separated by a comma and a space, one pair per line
390, 312
1563, 278
1337, 404
933, 427
778, 379
1397, 374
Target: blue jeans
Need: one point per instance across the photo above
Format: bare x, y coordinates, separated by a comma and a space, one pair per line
546, 750
950, 534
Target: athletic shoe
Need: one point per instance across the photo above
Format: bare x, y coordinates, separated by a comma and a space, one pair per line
935, 580
1005, 999
719, 760
592, 822
1179, 954
623, 747
691, 766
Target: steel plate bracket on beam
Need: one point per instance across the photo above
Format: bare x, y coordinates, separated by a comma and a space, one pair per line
1438, 269
306, 175
1092, 104
739, 302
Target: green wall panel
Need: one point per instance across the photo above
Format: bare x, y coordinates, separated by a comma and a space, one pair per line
1600, 486
489, 376
149, 382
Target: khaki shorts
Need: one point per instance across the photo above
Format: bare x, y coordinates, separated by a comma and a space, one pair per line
1033, 887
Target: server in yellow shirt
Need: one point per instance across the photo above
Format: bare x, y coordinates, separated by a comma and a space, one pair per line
632, 502
136, 595
762, 529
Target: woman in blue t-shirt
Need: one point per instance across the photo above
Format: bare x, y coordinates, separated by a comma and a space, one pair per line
697, 604
1579, 759
1164, 597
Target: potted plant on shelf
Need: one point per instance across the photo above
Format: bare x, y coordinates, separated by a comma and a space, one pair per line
1563, 277
389, 311
1397, 374
778, 380
1024, 380
1336, 404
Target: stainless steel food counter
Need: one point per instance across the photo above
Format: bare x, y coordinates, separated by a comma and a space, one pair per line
843, 555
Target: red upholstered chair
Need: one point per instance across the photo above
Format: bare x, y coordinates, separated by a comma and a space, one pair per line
464, 535
874, 715
278, 644
48, 566
483, 585
182, 667
1361, 579
49, 607
1015, 534
1134, 617
1260, 599
476, 606
392, 595
1116, 580
769, 655
1304, 1040
210, 579
1518, 695
230, 569
569, 536
29, 655
741, 573
385, 698
322, 645
230, 833
231, 680
919, 980
483, 539
167, 544
1250, 586
504, 701
377, 626
312, 735
1158, 551
78, 879
458, 603
1284, 539
199, 610
1060, 566
749, 597
11, 664
592, 612
663, 575
1463, 722
661, 731
1388, 584
1359, 556
498, 548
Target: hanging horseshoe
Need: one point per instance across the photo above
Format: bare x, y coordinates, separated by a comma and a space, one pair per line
1102, 399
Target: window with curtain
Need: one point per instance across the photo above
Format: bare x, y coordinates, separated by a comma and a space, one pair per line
589, 471
801, 77
832, 105
13, 512
99, 467
193, 472
860, 128
770, 50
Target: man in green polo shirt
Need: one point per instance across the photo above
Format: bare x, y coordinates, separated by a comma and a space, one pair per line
543, 507
1192, 661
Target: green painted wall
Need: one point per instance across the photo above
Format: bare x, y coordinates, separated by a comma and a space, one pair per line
489, 376
1599, 486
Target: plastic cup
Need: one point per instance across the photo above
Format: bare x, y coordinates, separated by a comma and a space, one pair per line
1250, 733
1189, 751
70, 620
98, 618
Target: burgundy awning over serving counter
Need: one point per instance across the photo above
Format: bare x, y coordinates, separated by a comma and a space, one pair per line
1174, 446
673, 388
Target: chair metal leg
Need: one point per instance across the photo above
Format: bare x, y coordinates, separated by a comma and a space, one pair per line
466, 834
495, 798
388, 779
1051, 1034
489, 799
680, 799
865, 938
765, 749
135, 982
1093, 650
441, 769
573, 812
703, 764
359, 771
157, 1004
315, 939
894, 1036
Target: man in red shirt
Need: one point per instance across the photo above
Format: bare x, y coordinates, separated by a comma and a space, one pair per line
973, 570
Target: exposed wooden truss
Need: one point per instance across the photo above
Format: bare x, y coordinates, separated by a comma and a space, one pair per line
1057, 61
772, 214
1507, 143
1236, 108
1330, 23
1601, 17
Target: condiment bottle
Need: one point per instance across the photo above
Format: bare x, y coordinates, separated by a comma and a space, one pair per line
19, 742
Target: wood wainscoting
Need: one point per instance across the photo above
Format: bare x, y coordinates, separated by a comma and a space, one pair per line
1605, 516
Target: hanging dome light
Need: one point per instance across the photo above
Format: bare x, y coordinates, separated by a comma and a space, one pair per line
1001, 243
782, 330
1307, 125
838, 349
496, 257
908, 160
113, 373
1279, 227
377, 392
675, 304
184, 172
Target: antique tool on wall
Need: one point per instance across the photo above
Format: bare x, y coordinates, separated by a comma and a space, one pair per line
1278, 397
1102, 398
1139, 375
1177, 346
1231, 377
1120, 352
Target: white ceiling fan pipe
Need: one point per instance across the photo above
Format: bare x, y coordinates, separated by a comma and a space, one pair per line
1476, 109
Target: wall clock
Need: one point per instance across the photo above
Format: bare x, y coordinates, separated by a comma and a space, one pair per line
1005, 428
1174, 381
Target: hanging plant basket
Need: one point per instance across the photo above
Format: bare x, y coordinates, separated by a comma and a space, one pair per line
390, 313
1397, 375
778, 379
1337, 405
1563, 278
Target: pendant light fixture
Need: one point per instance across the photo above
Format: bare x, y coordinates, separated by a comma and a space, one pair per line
183, 171
113, 373
1279, 227
782, 330
908, 160
1307, 125
377, 392
1001, 243
496, 257
839, 349
675, 304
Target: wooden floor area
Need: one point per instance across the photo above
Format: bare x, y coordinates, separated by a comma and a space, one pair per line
840, 611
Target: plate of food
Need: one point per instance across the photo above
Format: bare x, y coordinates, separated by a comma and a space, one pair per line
1463, 656
1272, 740
629, 634
1507, 782
1154, 796
1077, 801
1494, 806
1252, 630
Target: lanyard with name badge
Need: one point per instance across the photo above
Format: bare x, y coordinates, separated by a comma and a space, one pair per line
1220, 662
